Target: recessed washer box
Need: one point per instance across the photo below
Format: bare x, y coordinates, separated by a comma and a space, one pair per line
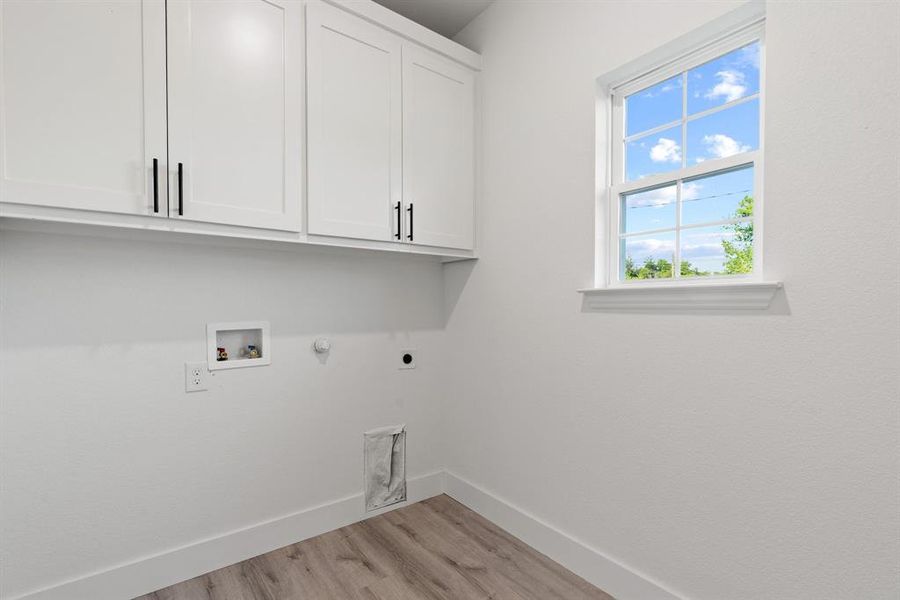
240, 340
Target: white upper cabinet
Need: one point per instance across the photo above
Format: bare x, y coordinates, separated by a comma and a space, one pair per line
354, 120
438, 149
83, 104
235, 71
288, 120
391, 135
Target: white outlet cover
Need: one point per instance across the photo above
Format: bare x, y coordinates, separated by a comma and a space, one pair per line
196, 376
403, 352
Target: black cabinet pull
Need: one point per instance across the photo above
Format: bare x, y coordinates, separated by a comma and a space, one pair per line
399, 222
155, 185
180, 189
409, 236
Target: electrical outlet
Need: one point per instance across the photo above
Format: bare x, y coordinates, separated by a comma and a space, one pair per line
195, 375
407, 359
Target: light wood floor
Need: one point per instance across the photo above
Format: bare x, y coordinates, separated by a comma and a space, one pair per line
435, 549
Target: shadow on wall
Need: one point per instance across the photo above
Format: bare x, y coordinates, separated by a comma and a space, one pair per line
456, 276
59, 289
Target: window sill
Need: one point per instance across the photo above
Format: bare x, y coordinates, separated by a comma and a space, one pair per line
744, 295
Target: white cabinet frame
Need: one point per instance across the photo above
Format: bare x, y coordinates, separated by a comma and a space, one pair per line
438, 149
344, 197
84, 212
74, 195
186, 138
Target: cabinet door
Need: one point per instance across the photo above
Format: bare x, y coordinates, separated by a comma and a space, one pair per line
235, 111
354, 126
438, 149
83, 104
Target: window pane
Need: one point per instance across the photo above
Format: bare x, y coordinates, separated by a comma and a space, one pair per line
650, 209
718, 250
727, 78
648, 256
727, 195
724, 133
653, 106
656, 153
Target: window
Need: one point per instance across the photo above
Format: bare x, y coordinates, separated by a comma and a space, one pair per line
685, 166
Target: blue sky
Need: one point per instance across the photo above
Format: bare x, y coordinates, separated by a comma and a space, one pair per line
705, 199
654, 106
724, 133
730, 131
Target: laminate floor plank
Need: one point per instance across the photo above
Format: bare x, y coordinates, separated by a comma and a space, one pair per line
436, 549
295, 563
416, 572
465, 554
462, 554
529, 572
391, 588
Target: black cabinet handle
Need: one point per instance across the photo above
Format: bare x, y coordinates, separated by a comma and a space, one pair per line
409, 236
155, 185
399, 222
180, 189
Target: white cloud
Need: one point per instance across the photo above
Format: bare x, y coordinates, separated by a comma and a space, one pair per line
704, 244
665, 150
749, 55
663, 196
730, 86
720, 145
640, 249
694, 251
668, 87
656, 198
690, 190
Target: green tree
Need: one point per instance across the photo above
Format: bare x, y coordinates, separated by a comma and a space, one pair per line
689, 270
739, 249
738, 252
657, 269
651, 269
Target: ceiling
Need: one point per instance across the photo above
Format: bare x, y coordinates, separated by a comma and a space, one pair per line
447, 17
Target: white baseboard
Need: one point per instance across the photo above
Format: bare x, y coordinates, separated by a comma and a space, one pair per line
589, 563
162, 570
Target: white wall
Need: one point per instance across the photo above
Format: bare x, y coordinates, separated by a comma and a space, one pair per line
106, 460
728, 457
631, 432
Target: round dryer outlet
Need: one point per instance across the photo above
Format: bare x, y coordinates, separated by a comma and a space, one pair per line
407, 359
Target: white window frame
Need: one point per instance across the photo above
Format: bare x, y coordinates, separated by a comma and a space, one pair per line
730, 33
